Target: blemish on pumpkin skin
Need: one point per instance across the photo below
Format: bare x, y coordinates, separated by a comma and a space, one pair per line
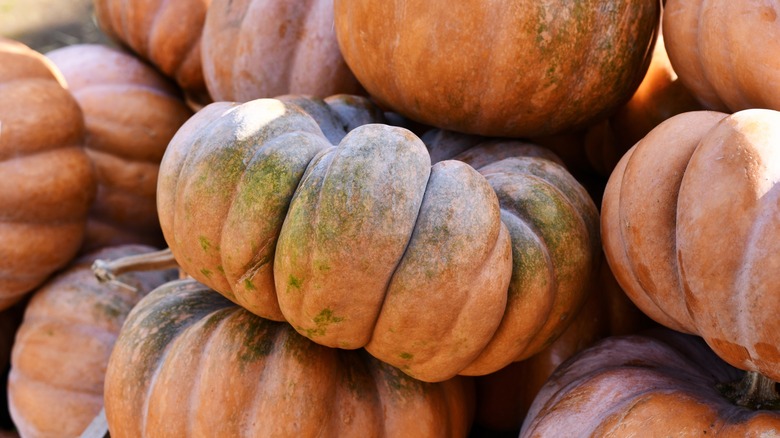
206, 272
295, 282
204, 243
323, 319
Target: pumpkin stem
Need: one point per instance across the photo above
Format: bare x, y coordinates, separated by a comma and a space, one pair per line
754, 391
106, 271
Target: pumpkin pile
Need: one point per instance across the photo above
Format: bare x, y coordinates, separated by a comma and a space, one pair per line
394, 218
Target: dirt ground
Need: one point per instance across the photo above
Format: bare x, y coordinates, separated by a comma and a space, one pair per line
49, 24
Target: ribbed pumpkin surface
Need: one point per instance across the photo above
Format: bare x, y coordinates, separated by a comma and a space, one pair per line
190, 363
61, 351
48, 182
516, 68
691, 229
292, 210
131, 113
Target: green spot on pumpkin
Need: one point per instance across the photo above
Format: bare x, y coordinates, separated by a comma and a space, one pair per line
206, 272
295, 282
406, 356
221, 269
322, 321
204, 243
248, 285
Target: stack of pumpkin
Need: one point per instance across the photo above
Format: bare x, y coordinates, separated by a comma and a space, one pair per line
385, 216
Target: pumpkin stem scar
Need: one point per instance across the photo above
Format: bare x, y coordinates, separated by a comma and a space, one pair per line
755, 391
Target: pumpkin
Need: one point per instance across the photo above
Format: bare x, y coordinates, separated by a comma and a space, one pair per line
48, 182
61, 351
131, 113
513, 69
725, 52
259, 48
659, 384
691, 228
188, 362
297, 210
504, 397
166, 33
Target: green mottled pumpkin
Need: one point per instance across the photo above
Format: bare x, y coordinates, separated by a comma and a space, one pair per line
188, 362
316, 213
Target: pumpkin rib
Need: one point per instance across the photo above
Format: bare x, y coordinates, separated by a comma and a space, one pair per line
165, 351
537, 341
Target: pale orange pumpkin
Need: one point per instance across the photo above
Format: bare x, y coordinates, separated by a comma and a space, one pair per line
131, 113
48, 182
165, 32
726, 52
259, 48
691, 228
61, 351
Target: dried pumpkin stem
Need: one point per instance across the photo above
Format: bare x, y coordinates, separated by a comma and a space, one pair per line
106, 271
754, 391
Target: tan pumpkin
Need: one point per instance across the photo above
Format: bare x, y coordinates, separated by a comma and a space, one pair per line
48, 182
259, 48
691, 229
513, 68
726, 52
165, 32
659, 384
190, 363
298, 211
59, 358
131, 113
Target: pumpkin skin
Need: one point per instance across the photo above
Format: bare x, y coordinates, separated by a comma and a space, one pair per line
131, 113
166, 33
217, 369
266, 48
551, 66
647, 386
707, 45
714, 193
62, 348
48, 180
282, 240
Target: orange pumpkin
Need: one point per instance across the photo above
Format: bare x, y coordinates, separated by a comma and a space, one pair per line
291, 210
659, 384
59, 358
48, 182
513, 68
131, 113
165, 32
190, 363
691, 229
726, 52
254, 49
